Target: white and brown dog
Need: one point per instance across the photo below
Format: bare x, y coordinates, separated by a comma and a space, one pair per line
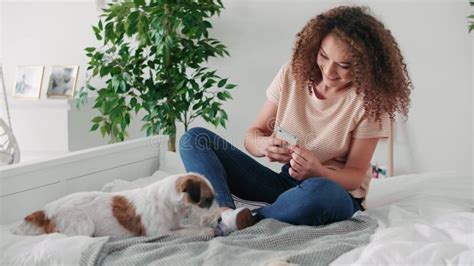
157, 209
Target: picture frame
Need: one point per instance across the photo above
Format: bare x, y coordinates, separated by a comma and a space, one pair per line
28, 82
62, 81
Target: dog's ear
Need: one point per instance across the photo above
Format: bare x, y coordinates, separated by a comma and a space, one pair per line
193, 188
200, 192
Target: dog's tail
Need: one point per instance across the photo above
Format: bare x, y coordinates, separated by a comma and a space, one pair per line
36, 223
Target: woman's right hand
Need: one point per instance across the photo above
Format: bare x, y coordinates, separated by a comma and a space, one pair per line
274, 149
260, 141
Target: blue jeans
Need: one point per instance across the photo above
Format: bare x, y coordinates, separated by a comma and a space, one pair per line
314, 201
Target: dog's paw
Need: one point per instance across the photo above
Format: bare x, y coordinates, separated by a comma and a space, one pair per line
207, 231
210, 218
209, 221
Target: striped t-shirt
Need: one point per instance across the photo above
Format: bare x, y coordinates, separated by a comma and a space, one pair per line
327, 126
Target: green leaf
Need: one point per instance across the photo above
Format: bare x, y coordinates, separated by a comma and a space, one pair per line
222, 122
123, 124
121, 137
102, 131
194, 85
97, 119
151, 64
123, 86
118, 119
127, 118
197, 105
230, 86
180, 84
108, 128
223, 114
94, 127
103, 71
145, 127
207, 24
133, 102
221, 96
137, 108
89, 87
109, 32
149, 131
96, 30
115, 83
209, 83
227, 95
222, 83
97, 104
98, 36
131, 23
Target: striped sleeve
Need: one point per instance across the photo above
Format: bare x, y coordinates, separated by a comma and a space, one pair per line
274, 90
369, 128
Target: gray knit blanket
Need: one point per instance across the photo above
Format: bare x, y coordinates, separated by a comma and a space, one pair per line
269, 242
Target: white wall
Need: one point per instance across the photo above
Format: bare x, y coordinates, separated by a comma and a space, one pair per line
437, 48
49, 33
260, 34
1, 31
46, 33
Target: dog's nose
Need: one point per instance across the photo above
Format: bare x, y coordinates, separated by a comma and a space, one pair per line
206, 202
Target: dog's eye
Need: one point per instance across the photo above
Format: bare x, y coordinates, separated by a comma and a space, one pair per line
207, 202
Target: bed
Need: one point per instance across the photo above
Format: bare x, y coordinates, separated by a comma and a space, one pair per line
424, 218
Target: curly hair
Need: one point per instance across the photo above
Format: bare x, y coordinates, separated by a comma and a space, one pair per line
379, 71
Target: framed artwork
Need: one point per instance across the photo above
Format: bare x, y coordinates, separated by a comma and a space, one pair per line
62, 81
28, 81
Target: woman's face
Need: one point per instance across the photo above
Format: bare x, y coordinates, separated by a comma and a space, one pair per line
334, 62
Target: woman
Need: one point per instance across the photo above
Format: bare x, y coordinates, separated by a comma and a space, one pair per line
344, 84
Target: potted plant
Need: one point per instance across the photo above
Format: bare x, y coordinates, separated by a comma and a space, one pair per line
153, 58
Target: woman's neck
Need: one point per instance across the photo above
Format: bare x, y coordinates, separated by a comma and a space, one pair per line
323, 92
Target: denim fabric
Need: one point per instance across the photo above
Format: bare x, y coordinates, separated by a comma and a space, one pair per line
314, 201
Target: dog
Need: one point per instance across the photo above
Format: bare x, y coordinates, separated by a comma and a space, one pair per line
176, 205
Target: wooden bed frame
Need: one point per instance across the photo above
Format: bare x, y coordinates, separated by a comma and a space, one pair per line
27, 187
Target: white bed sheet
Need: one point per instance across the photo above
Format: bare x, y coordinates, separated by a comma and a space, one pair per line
51, 249
423, 219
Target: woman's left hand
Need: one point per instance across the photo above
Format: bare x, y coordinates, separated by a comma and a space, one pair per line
303, 163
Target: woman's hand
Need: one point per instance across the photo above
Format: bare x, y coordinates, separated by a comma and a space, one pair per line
303, 163
274, 149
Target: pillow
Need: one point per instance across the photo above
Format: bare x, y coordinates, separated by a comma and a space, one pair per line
121, 185
118, 185
171, 163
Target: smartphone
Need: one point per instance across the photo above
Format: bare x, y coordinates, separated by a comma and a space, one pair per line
285, 135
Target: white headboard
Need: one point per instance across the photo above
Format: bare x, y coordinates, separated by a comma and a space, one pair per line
27, 187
